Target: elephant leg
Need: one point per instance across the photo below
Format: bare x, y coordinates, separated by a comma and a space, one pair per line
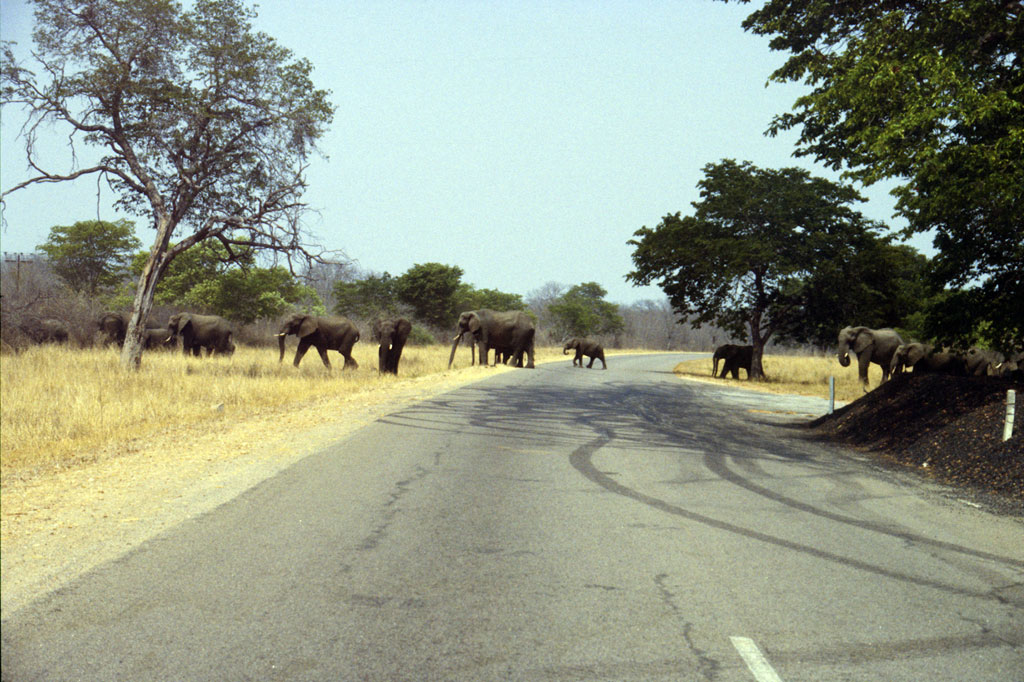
590, 365
323, 356
350, 362
863, 362
604, 365
300, 351
578, 359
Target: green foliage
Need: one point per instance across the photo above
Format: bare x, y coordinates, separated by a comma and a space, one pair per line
930, 94
248, 294
91, 255
469, 298
421, 337
208, 278
582, 311
430, 290
368, 298
766, 253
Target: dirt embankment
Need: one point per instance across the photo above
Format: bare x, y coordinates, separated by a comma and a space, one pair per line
947, 428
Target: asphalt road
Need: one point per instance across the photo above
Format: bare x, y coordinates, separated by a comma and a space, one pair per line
557, 524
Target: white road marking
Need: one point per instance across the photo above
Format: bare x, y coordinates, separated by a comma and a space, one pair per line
755, 660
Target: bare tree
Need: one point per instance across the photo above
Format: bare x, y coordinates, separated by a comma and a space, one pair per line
205, 126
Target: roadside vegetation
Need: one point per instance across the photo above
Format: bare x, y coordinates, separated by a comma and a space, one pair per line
62, 406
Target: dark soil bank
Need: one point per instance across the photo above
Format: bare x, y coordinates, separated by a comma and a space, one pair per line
948, 428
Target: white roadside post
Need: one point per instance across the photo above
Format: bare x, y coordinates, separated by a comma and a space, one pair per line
1011, 400
831, 394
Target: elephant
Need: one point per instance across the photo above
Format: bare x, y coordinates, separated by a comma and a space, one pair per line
324, 334
114, 326
157, 338
211, 332
510, 332
591, 349
392, 335
45, 330
925, 359
868, 345
1012, 367
980, 360
734, 358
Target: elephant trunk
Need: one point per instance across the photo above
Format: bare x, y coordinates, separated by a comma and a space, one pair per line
455, 344
844, 355
280, 343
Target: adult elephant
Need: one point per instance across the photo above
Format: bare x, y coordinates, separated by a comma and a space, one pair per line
868, 345
981, 362
112, 328
585, 347
392, 335
211, 332
45, 330
324, 334
734, 358
925, 359
510, 332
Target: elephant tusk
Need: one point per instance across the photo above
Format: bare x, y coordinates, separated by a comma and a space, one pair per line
281, 334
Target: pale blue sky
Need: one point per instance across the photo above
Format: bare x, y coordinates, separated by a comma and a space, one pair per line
522, 141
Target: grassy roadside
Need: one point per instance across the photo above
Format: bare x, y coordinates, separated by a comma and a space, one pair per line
62, 407
800, 375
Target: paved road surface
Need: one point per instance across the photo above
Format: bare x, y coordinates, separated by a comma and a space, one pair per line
557, 524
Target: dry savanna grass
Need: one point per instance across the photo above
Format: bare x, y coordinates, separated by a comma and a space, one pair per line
60, 405
793, 374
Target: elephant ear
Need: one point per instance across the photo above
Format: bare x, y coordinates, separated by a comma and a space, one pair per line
862, 338
308, 326
183, 322
474, 323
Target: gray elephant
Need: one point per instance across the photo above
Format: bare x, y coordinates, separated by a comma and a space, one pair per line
510, 333
925, 359
734, 358
113, 327
44, 330
211, 332
979, 361
157, 338
392, 335
868, 345
1012, 367
324, 334
585, 347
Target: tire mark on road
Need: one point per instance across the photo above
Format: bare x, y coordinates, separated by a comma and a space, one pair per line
580, 460
716, 465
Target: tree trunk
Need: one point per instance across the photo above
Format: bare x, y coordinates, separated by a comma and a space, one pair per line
131, 351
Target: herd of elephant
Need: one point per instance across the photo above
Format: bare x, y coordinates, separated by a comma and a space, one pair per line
509, 334
886, 348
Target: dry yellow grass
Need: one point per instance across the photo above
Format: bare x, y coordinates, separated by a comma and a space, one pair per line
800, 375
59, 406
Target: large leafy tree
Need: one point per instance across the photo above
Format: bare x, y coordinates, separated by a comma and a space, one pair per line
930, 94
430, 290
756, 238
201, 124
91, 255
582, 311
369, 297
233, 286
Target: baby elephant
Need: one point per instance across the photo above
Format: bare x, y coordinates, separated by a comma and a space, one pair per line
591, 349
